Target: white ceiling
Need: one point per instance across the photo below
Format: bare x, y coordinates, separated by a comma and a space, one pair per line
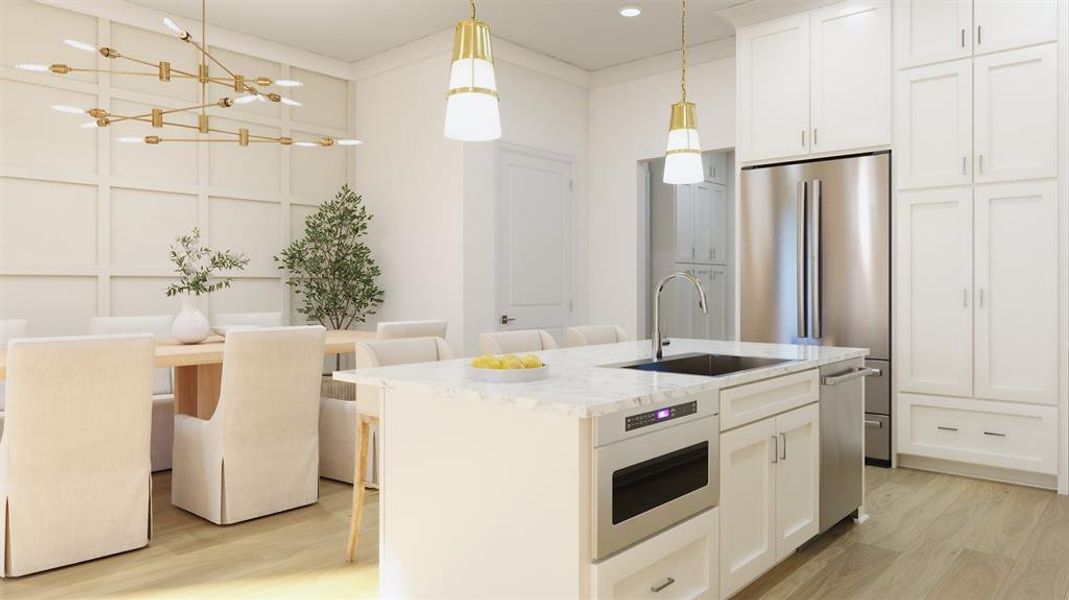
589, 34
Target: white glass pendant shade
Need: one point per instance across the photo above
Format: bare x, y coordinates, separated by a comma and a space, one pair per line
471, 112
683, 155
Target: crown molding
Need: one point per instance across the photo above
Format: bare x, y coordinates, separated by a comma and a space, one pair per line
441, 44
669, 61
119, 11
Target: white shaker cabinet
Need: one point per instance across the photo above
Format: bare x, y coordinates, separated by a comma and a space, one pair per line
934, 125
850, 76
769, 493
797, 479
717, 294
747, 504
716, 167
934, 296
1016, 240
702, 200
1016, 104
685, 249
773, 79
1005, 24
718, 224
929, 31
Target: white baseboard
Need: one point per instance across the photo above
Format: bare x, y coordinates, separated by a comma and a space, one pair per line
950, 467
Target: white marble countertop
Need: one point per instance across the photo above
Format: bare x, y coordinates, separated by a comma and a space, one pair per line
579, 385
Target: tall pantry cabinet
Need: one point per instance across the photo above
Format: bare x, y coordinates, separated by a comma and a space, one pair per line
976, 143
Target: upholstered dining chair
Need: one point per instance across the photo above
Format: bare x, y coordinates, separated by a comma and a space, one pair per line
337, 436
251, 319
75, 476
381, 353
389, 330
524, 340
258, 454
592, 335
162, 383
9, 330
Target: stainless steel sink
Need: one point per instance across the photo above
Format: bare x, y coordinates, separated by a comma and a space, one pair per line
709, 365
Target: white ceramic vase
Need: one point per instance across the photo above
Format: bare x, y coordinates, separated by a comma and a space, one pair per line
190, 326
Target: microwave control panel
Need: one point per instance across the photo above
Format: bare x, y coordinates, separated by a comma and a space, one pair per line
660, 415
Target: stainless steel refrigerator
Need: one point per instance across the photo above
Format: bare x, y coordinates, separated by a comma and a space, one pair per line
815, 266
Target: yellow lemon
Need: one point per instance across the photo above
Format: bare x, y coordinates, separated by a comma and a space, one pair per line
507, 357
493, 363
531, 362
512, 363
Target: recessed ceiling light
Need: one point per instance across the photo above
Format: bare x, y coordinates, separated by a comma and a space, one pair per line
630, 11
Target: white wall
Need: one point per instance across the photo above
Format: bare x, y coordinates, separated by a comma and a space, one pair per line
85, 221
434, 198
629, 123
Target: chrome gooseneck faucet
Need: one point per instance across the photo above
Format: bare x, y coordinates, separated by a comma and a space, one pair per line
657, 337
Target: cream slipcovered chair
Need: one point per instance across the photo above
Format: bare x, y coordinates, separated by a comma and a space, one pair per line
337, 436
162, 383
9, 330
382, 353
592, 335
254, 319
75, 478
508, 342
389, 330
259, 453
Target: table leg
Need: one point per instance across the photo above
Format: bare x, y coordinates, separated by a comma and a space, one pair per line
196, 389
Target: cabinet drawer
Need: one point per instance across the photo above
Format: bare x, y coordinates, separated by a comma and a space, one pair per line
998, 434
747, 403
681, 562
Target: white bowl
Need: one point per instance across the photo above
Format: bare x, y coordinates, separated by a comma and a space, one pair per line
507, 375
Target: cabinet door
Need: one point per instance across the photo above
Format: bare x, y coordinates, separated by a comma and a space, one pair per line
934, 125
797, 479
1016, 105
685, 301
716, 170
935, 291
851, 76
718, 224
684, 223
929, 31
773, 76
747, 509
718, 303
700, 321
1016, 283
703, 221
1005, 24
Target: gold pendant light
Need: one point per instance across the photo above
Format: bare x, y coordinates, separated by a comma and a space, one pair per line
683, 156
471, 112
248, 88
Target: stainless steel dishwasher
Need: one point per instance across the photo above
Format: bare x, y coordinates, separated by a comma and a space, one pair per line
842, 439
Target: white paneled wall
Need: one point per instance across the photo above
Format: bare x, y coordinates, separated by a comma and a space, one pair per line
86, 221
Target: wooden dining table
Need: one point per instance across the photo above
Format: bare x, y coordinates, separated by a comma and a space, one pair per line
198, 368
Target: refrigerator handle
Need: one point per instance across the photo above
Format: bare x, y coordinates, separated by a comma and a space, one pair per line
801, 275
815, 238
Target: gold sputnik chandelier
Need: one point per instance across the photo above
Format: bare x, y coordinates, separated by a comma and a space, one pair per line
248, 90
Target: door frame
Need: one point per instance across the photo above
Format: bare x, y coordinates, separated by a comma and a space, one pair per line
501, 214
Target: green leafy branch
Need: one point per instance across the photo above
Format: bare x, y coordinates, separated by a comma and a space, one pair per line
198, 267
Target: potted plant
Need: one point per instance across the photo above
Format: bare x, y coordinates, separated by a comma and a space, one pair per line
330, 268
197, 268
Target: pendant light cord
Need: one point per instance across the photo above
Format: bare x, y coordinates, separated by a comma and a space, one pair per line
683, 53
472, 10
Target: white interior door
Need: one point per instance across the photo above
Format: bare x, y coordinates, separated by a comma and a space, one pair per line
534, 250
1017, 292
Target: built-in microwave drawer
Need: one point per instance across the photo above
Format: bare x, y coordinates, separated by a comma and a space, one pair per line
999, 434
682, 562
755, 401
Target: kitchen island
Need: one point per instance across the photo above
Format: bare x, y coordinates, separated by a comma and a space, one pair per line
599, 480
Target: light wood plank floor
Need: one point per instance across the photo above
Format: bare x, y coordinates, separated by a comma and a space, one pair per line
931, 536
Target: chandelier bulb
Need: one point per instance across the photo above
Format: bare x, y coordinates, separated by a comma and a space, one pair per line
33, 68
288, 101
77, 45
288, 83
63, 108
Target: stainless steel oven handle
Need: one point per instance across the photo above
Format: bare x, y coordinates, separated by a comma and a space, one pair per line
857, 373
660, 586
873, 424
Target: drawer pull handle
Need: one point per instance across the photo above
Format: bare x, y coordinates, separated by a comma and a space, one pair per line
660, 586
994, 433
946, 428
876, 424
